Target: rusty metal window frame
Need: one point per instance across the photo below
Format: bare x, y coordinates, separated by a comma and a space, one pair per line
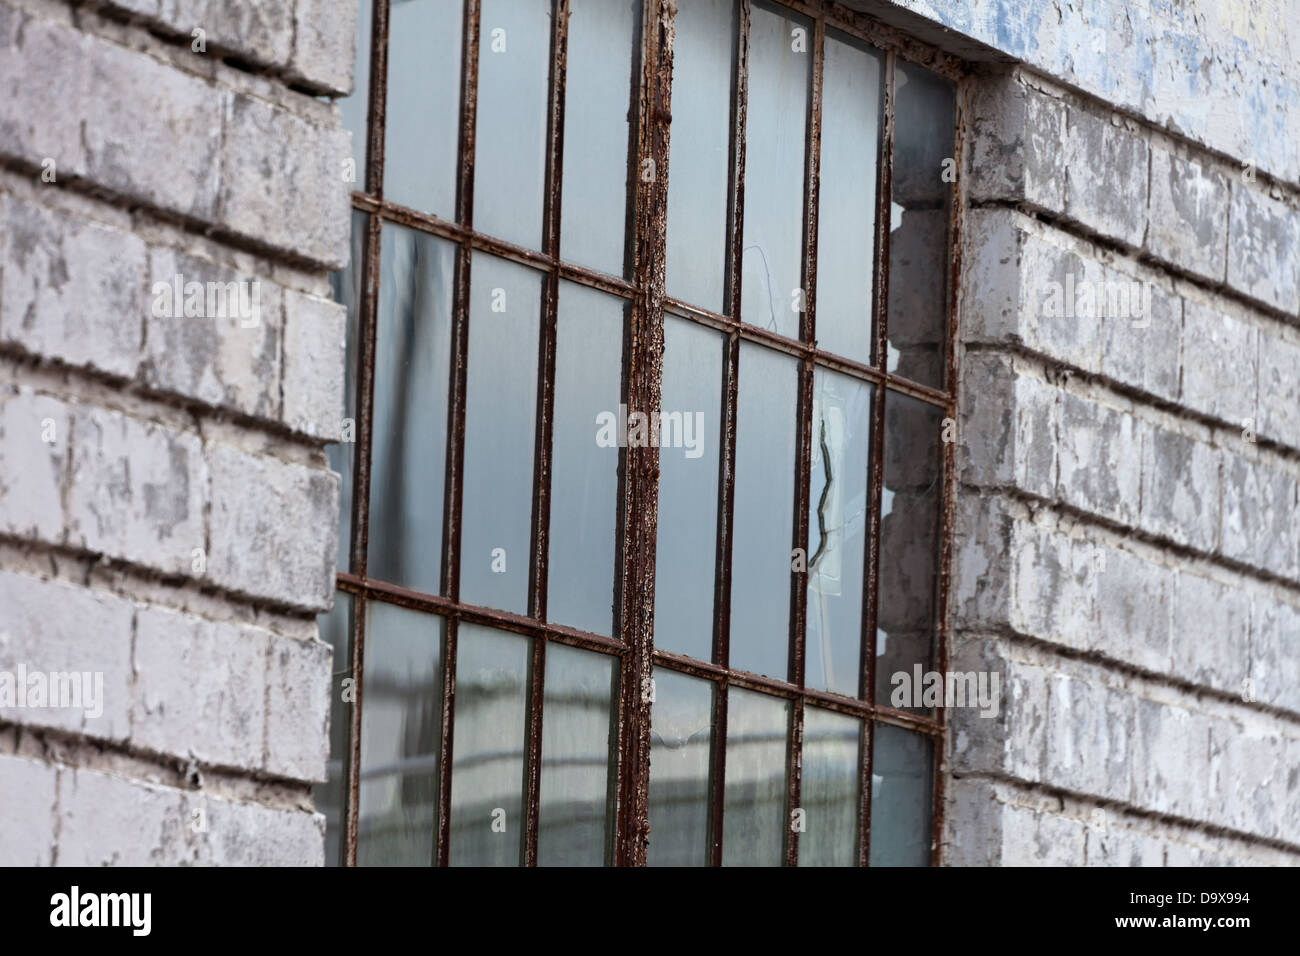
634, 577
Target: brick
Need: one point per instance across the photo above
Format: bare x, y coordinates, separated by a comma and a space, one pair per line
315, 340
38, 118
1089, 736
304, 206
1182, 488
255, 500
1279, 389
1134, 609
1054, 588
262, 32
200, 688
1144, 352
300, 679
1188, 215
1031, 838
106, 820
1259, 499
1264, 248
57, 627
1014, 742
136, 491
1211, 644
324, 38
1250, 792
248, 834
1062, 303
27, 792
1100, 459
226, 355
1106, 177
1008, 427
73, 290
1220, 354
1275, 653
1171, 760
982, 562
1016, 144
34, 440
1120, 846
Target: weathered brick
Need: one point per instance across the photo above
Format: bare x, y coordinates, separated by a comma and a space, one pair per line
1188, 214
106, 820
1016, 144
1171, 760
136, 491
1036, 838
1220, 353
1182, 488
1008, 427
1111, 845
1014, 742
323, 51
273, 528
1259, 503
1211, 643
228, 352
34, 440
57, 627
27, 792
248, 834
1089, 737
38, 118
1279, 389
299, 678
1264, 248
1275, 653
261, 32
1250, 791
1134, 609
1055, 588
1144, 351
1106, 177
200, 688
315, 332
1062, 303
1100, 459
73, 290
304, 206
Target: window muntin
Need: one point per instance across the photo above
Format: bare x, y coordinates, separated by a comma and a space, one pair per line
763, 702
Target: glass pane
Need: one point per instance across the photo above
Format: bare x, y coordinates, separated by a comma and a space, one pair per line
688, 490
412, 346
355, 106
918, 226
754, 820
909, 540
514, 61
598, 97
487, 768
764, 505
584, 454
837, 531
846, 220
700, 152
422, 118
401, 734
828, 788
501, 395
575, 818
328, 797
681, 726
902, 765
780, 64
347, 292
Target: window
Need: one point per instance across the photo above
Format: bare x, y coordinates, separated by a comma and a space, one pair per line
651, 338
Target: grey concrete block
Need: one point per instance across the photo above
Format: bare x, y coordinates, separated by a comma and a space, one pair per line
1264, 248
315, 341
1220, 362
27, 792
1106, 177
35, 434
1188, 215
1211, 644
1182, 488
1259, 505
1279, 389
299, 679
1100, 459
324, 43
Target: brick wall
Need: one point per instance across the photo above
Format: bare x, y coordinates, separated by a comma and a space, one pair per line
167, 514
1128, 549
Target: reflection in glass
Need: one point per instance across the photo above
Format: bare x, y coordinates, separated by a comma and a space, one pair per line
575, 815
346, 286
501, 395
764, 503
688, 491
487, 776
918, 244
846, 219
598, 94
780, 64
837, 529
753, 820
681, 724
902, 764
828, 788
514, 57
700, 152
909, 539
328, 797
412, 344
584, 473
401, 731
355, 106
422, 117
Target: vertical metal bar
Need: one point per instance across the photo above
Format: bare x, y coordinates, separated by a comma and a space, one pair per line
804, 425
378, 99
541, 517
644, 357
884, 183
456, 413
